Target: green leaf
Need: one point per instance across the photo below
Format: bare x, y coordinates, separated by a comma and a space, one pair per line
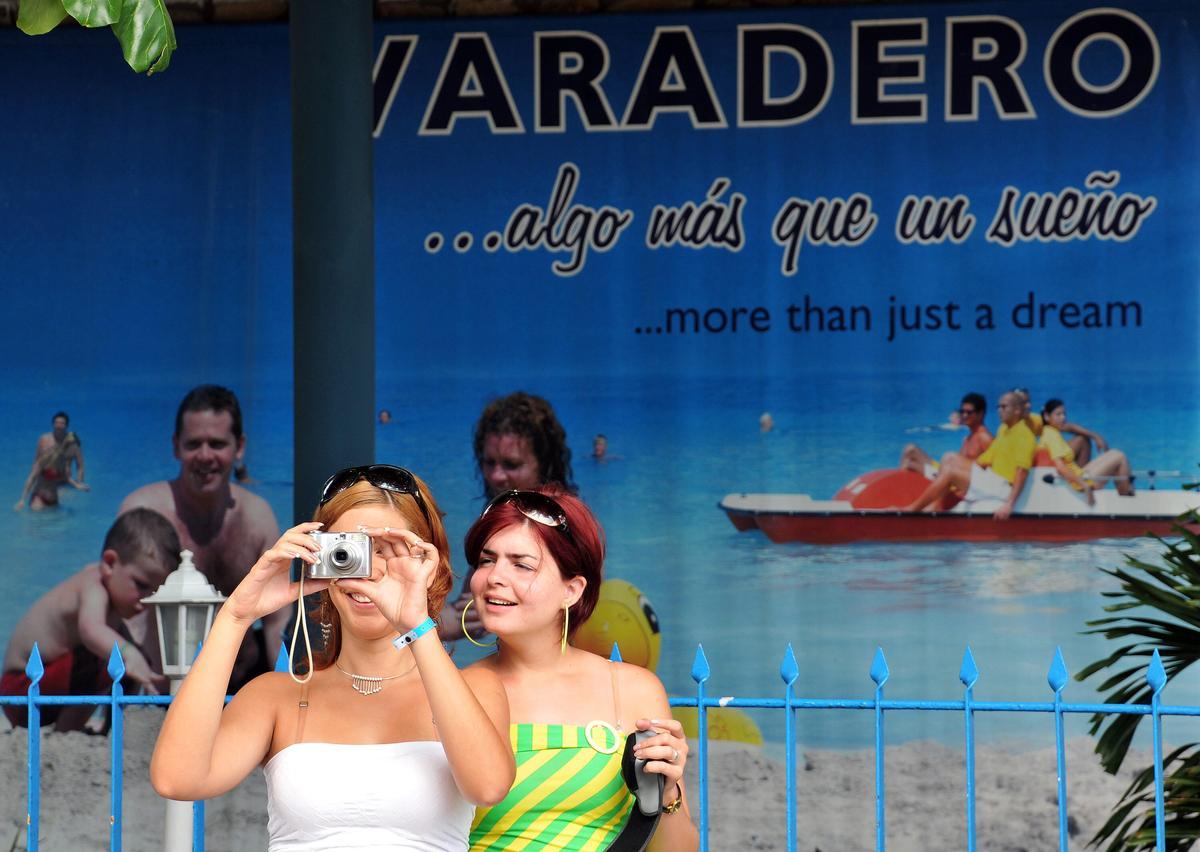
1170, 590
94, 13
38, 17
146, 35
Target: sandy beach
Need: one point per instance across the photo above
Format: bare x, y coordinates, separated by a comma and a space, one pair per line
1016, 797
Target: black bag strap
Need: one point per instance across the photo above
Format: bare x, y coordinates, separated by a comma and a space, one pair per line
647, 789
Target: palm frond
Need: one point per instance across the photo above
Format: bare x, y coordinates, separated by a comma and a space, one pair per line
1156, 609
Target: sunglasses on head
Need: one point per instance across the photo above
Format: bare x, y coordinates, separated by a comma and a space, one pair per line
384, 476
535, 506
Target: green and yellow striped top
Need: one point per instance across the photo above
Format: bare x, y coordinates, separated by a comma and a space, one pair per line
566, 795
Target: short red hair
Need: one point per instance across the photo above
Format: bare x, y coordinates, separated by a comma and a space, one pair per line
578, 553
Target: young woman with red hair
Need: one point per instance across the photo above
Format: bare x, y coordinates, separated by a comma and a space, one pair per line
538, 560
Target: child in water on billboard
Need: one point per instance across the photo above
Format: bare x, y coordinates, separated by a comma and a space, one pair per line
76, 624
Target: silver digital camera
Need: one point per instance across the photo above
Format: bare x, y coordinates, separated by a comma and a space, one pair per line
344, 554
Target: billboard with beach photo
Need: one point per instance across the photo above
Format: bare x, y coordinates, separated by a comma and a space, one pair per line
761, 251
832, 222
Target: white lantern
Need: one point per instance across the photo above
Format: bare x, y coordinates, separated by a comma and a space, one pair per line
183, 608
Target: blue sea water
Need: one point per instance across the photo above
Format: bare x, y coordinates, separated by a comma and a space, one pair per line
677, 446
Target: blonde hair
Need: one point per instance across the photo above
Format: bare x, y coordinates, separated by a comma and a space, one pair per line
363, 493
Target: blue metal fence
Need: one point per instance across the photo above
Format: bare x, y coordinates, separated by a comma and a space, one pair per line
789, 672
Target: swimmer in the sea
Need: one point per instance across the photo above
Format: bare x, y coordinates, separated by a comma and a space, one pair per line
56, 450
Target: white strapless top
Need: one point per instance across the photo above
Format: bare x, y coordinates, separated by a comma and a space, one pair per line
395, 796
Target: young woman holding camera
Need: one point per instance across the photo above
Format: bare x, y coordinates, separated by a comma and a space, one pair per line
538, 559
385, 744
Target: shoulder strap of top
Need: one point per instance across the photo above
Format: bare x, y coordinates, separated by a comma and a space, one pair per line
301, 712
616, 696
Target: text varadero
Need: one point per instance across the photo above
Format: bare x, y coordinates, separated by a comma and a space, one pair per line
785, 75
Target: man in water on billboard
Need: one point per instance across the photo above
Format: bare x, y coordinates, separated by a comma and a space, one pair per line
52, 459
971, 412
223, 524
998, 474
519, 444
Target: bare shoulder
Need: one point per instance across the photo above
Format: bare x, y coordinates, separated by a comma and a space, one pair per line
156, 496
267, 692
479, 676
256, 514
87, 577
51, 620
66, 597
640, 685
487, 664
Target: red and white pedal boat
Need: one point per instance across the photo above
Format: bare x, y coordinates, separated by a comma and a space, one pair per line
1048, 510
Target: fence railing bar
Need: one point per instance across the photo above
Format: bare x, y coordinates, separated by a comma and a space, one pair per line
198, 826
879, 674
955, 706
701, 672
34, 671
743, 703
968, 674
1057, 678
1157, 678
106, 699
789, 671
116, 671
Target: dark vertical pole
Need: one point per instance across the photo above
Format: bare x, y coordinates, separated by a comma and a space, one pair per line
333, 241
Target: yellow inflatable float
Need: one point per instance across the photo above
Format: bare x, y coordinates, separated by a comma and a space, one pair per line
624, 617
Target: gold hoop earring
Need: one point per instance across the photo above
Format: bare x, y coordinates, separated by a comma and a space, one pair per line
468, 635
566, 617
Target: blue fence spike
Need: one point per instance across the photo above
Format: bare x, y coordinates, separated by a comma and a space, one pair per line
1057, 677
700, 669
615, 656
969, 673
34, 668
1156, 676
116, 664
789, 670
879, 668
283, 663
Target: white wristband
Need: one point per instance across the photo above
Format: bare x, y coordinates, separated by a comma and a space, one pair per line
413, 635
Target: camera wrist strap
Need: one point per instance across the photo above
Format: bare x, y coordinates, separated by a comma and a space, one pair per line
301, 627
